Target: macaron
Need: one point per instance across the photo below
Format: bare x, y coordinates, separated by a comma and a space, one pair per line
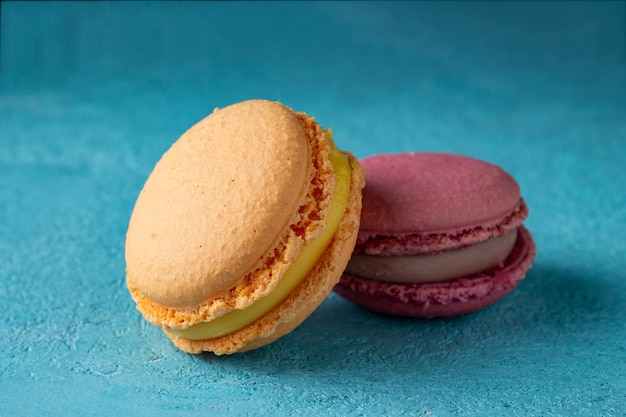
441, 235
242, 228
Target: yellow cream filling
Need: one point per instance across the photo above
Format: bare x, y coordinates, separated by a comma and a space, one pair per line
312, 251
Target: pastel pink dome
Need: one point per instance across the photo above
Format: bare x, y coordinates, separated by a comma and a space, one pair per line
420, 202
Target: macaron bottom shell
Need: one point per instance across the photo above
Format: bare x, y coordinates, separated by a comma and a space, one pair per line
443, 299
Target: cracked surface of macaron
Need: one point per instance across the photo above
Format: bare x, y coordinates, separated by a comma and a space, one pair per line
242, 228
441, 235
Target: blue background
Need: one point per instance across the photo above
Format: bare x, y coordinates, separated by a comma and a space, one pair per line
91, 94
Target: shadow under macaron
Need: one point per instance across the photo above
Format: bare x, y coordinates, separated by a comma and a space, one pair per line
551, 309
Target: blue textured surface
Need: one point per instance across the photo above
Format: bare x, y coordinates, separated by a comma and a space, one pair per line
91, 94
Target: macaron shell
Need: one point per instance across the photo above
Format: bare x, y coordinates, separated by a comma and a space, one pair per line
433, 193
445, 299
216, 203
434, 201
306, 224
305, 298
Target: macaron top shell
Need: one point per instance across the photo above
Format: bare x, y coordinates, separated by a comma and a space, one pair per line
188, 240
422, 202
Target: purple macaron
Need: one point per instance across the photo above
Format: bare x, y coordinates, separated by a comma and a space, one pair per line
441, 235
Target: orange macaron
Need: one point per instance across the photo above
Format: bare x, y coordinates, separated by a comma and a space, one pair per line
243, 228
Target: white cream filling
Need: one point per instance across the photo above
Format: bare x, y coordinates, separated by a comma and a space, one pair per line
442, 266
